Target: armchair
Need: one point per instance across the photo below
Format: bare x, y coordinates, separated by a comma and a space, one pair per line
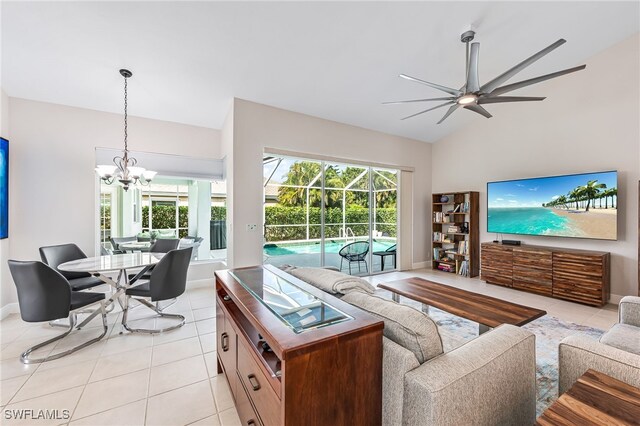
616, 354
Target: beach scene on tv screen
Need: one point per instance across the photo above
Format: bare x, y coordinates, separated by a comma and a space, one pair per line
581, 206
4, 194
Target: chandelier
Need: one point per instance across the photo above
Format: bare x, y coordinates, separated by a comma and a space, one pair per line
124, 169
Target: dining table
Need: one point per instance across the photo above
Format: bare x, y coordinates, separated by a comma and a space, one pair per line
104, 267
143, 246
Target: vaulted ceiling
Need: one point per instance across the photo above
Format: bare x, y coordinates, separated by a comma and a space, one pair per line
337, 60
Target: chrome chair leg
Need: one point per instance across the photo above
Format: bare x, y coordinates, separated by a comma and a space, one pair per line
157, 311
58, 323
173, 302
24, 358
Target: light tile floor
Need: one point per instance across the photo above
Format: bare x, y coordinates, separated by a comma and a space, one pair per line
170, 379
125, 379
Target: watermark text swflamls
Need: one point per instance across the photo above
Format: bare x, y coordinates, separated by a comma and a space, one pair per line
31, 414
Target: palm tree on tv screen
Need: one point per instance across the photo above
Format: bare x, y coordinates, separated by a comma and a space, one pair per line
612, 192
561, 200
574, 196
591, 191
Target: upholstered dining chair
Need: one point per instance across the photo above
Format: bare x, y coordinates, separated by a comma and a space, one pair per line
55, 256
164, 245
167, 281
45, 295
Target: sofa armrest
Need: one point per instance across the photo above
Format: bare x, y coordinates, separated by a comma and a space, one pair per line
579, 353
490, 380
396, 362
629, 310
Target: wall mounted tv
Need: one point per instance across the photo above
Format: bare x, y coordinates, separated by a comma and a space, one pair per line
579, 206
4, 188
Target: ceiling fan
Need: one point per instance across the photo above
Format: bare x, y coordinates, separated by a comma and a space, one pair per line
472, 95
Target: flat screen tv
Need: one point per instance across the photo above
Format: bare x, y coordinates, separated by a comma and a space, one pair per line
4, 188
578, 206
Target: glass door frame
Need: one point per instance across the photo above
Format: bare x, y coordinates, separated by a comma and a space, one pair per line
370, 169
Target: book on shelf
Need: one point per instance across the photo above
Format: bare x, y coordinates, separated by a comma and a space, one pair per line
440, 217
440, 237
445, 267
437, 253
463, 269
463, 247
453, 229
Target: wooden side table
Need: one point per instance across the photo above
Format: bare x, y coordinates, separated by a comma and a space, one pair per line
595, 399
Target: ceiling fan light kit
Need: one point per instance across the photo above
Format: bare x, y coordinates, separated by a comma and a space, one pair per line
472, 95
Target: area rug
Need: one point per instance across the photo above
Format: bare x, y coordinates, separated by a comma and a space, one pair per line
549, 332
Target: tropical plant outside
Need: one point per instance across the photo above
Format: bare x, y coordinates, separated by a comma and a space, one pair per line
346, 199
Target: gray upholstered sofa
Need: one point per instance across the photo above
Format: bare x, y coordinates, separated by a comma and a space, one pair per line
491, 380
617, 353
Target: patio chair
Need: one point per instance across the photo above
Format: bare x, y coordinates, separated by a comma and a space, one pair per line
116, 241
355, 252
190, 241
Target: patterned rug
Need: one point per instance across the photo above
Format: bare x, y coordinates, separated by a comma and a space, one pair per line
549, 332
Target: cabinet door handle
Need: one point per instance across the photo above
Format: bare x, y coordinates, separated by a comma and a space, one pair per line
254, 381
224, 342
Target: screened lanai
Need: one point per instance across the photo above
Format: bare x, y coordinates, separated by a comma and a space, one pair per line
318, 212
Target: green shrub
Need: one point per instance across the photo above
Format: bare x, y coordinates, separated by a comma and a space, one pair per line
357, 218
218, 213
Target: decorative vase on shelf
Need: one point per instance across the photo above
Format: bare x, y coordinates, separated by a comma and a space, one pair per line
444, 199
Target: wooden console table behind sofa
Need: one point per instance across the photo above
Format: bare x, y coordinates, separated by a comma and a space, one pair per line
322, 376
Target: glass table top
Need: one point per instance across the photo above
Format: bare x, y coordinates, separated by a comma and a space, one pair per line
296, 308
112, 262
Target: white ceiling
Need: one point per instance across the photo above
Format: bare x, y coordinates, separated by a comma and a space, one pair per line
337, 61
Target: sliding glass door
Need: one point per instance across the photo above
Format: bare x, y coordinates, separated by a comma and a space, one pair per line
329, 214
384, 201
347, 243
292, 211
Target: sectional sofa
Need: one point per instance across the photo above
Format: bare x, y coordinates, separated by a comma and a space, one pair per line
491, 380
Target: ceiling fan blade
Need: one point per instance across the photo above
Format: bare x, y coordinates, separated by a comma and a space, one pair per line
490, 86
418, 100
473, 83
478, 109
430, 109
449, 112
529, 82
449, 90
500, 99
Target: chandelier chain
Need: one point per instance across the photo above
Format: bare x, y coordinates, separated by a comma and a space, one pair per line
125, 114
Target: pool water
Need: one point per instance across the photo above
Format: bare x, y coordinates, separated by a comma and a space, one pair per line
330, 246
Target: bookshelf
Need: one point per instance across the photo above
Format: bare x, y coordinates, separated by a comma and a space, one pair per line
456, 232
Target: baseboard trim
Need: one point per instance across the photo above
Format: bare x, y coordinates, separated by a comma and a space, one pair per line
420, 265
9, 308
615, 298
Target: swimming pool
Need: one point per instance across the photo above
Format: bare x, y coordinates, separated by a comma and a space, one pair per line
313, 247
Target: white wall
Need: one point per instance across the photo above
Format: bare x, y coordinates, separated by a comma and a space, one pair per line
52, 179
589, 122
256, 127
7, 293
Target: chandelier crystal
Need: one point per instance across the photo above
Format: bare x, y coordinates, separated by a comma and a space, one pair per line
125, 169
